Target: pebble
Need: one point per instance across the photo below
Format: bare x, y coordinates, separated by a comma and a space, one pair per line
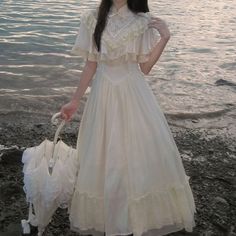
221, 200
210, 151
186, 157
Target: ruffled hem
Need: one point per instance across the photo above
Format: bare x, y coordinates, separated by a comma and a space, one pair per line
134, 57
77, 51
167, 229
154, 210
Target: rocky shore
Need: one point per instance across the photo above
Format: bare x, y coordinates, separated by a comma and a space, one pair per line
209, 157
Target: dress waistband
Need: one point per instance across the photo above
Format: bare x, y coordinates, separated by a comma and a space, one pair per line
121, 69
119, 72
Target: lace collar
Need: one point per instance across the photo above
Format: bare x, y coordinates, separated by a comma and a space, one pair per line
123, 11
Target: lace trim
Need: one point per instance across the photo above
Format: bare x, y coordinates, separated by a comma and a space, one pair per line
170, 188
140, 58
131, 33
84, 53
138, 27
92, 231
175, 206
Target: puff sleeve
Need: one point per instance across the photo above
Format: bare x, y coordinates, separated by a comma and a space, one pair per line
146, 42
84, 45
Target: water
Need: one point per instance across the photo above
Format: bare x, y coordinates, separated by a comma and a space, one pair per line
194, 78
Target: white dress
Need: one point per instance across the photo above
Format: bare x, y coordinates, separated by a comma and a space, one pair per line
131, 178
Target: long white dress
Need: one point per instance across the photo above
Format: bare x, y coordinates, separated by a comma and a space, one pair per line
131, 178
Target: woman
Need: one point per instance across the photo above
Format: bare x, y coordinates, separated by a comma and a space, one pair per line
131, 178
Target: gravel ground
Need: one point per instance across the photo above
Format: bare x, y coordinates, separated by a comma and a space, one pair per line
209, 158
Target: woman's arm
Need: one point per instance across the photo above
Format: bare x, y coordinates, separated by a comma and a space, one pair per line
155, 54
70, 108
87, 74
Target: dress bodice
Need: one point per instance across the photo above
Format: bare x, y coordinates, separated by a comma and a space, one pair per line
119, 71
126, 37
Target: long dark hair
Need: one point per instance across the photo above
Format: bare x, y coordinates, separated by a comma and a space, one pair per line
104, 8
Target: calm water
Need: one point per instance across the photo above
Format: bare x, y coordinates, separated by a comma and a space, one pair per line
194, 78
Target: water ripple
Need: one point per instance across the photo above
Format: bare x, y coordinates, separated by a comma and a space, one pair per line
36, 38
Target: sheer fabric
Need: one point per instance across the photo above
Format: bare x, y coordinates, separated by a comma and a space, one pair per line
131, 178
124, 39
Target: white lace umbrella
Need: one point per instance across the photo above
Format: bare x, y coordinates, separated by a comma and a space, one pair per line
50, 170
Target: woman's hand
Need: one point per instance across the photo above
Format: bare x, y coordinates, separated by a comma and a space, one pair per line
157, 50
161, 26
69, 109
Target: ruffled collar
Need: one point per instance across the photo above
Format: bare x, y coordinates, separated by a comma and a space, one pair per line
123, 11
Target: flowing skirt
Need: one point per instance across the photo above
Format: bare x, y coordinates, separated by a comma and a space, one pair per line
131, 178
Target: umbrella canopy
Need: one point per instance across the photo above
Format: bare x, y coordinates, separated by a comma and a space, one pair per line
50, 170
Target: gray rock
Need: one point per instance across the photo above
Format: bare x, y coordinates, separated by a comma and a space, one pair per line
221, 200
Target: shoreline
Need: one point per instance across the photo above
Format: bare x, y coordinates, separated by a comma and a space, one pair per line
208, 155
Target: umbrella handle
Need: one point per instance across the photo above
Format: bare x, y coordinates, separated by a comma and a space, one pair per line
52, 161
53, 119
58, 114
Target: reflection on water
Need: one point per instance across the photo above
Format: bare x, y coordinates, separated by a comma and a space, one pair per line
36, 37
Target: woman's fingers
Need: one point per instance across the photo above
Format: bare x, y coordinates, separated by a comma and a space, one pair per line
161, 26
156, 19
154, 23
157, 24
68, 110
64, 115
